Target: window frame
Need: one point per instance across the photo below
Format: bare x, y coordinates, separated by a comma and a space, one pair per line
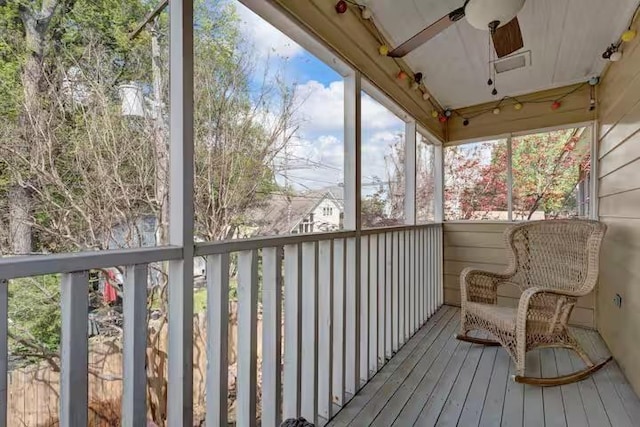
593, 165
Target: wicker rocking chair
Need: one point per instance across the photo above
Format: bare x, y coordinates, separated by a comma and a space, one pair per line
554, 263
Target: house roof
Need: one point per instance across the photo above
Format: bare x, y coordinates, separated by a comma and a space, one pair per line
282, 212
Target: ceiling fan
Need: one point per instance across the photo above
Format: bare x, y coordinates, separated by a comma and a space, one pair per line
497, 16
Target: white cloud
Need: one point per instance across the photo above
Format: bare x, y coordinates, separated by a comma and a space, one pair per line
319, 154
321, 109
375, 116
265, 38
313, 163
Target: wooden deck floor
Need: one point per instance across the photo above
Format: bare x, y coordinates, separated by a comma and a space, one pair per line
437, 380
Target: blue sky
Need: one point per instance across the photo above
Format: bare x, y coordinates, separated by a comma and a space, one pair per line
316, 155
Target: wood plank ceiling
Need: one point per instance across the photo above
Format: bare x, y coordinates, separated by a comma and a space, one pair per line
564, 38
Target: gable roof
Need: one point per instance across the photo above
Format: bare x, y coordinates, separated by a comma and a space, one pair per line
282, 212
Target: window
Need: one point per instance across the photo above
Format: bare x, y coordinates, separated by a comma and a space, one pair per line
550, 177
475, 181
383, 172
306, 226
551, 174
425, 179
327, 211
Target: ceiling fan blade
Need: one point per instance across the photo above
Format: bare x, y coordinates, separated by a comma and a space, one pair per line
508, 38
427, 34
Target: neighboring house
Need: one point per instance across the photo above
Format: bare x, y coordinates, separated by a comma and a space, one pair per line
308, 212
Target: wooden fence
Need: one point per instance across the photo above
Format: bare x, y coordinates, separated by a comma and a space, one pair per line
34, 390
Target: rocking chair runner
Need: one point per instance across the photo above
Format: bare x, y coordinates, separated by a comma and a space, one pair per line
554, 263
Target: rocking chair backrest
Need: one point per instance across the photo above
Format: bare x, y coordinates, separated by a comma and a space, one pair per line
558, 254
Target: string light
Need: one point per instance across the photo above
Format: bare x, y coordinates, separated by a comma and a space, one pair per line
447, 113
519, 105
442, 119
341, 6
628, 35
434, 114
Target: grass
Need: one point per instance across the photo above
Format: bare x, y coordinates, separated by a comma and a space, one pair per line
200, 297
199, 300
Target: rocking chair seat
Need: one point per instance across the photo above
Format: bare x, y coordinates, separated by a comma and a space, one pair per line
504, 318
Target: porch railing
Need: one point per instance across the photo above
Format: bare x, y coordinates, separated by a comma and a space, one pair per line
335, 308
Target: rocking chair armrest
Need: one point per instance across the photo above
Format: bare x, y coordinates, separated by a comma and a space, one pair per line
525, 302
528, 294
480, 285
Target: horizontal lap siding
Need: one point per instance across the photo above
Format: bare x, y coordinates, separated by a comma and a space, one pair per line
482, 245
619, 173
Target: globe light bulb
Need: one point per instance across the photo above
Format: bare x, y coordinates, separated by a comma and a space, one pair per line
615, 56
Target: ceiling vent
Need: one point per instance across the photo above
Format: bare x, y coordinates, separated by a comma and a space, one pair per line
513, 62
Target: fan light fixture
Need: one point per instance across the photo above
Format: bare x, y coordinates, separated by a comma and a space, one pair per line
483, 14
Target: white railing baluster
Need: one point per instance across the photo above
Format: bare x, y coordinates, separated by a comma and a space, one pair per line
325, 328
247, 337
352, 358
440, 263
373, 304
427, 276
395, 294
388, 311
134, 305
4, 350
271, 336
423, 269
364, 310
217, 339
412, 282
407, 284
424, 256
434, 271
423, 282
74, 301
292, 330
338, 322
418, 268
382, 275
309, 391
401, 288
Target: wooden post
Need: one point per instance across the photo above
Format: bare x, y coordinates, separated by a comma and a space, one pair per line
134, 397
4, 350
217, 339
74, 351
180, 378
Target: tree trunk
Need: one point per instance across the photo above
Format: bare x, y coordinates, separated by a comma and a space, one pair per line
36, 24
19, 219
160, 142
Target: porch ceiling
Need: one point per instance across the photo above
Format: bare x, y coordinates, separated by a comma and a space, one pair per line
565, 38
